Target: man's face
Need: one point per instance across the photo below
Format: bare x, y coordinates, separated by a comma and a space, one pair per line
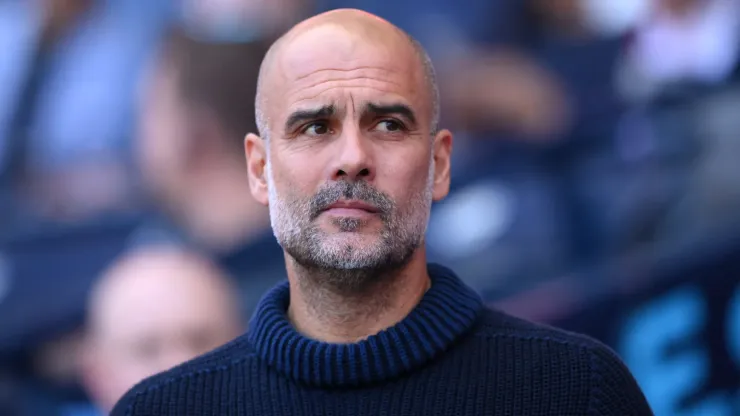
352, 165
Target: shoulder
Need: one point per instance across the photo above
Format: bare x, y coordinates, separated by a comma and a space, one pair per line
588, 363
498, 324
174, 388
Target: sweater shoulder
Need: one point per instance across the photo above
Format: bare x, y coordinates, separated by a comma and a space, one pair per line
611, 387
500, 325
495, 323
167, 386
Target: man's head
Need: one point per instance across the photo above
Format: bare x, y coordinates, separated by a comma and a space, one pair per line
151, 310
350, 158
197, 103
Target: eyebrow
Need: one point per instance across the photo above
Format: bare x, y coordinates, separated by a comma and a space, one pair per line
300, 116
391, 109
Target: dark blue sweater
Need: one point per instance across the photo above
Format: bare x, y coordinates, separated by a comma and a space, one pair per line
449, 356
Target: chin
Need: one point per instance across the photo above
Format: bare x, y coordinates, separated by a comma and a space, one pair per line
351, 247
349, 241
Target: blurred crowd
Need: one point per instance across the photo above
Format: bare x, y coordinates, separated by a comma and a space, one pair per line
593, 139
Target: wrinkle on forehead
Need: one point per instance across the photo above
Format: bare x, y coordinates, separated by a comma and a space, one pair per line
308, 95
333, 53
344, 24
340, 49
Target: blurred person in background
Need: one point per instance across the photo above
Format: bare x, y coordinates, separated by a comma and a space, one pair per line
153, 309
197, 103
681, 41
66, 104
536, 83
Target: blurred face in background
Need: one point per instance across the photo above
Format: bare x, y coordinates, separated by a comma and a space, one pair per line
352, 125
165, 131
151, 312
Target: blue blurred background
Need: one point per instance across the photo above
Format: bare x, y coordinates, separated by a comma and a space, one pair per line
596, 170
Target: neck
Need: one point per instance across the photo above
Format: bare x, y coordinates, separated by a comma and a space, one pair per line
447, 311
342, 317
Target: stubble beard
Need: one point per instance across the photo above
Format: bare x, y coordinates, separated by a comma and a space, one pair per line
353, 259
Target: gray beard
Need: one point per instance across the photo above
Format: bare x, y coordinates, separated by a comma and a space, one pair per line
342, 269
348, 283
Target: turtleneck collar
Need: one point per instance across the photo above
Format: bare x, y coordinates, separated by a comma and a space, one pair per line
447, 311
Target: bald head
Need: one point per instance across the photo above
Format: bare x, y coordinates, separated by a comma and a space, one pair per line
357, 27
151, 310
157, 277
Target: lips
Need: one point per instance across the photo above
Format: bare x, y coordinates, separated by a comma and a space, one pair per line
353, 205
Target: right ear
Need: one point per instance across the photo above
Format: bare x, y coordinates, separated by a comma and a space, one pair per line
256, 153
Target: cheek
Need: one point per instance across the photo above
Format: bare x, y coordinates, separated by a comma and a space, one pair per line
406, 180
293, 178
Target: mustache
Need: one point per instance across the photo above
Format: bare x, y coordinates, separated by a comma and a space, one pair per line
357, 191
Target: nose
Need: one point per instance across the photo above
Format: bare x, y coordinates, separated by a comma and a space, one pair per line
354, 161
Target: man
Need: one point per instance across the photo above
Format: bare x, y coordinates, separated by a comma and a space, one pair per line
349, 161
153, 309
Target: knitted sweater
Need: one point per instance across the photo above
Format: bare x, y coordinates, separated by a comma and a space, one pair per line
449, 356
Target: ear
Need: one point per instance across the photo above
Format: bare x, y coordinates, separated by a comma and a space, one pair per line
442, 152
256, 153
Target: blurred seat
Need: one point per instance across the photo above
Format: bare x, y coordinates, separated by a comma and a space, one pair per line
674, 313
46, 275
501, 229
711, 198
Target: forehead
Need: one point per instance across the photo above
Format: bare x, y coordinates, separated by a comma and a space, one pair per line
328, 63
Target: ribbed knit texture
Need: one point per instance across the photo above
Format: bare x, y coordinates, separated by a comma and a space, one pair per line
449, 356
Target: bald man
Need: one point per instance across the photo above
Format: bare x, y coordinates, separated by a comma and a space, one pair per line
349, 160
153, 309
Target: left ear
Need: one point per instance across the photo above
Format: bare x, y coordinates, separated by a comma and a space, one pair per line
441, 153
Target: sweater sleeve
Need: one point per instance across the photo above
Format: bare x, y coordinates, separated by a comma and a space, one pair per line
614, 391
136, 400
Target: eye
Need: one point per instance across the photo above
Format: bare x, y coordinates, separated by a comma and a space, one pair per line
316, 128
389, 126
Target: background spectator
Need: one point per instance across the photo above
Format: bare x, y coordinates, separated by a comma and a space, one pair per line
197, 99
152, 310
66, 102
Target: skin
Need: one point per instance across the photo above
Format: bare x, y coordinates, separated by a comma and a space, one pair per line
152, 310
352, 273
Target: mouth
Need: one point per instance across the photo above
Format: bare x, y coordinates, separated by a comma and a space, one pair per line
351, 208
